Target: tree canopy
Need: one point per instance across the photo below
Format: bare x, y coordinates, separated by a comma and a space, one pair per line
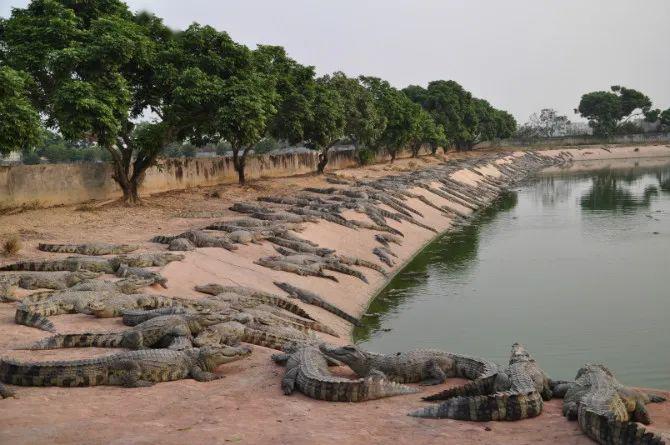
545, 124
94, 71
605, 110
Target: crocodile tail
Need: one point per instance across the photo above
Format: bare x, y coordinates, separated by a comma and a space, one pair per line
342, 390
290, 306
57, 248
162, 239
106, 340
265, 339
499, 406
476, 388
340, 313
606, 430
317, 326
27, 317
86, 372
21, 265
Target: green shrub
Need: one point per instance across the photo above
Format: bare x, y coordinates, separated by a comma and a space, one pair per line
365, 156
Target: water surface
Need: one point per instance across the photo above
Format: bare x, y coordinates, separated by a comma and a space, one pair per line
574, 265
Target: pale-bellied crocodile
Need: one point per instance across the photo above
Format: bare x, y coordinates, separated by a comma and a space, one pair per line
198, 238
307, 371
89, 248
130, 369
311, 298
143, 274
514, 393
427, 366
607, 410
159, 332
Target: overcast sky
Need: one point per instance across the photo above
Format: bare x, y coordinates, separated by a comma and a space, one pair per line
521, 55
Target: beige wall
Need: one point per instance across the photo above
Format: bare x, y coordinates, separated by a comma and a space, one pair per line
54, 184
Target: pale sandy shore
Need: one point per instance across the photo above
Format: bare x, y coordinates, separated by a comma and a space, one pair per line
248, 405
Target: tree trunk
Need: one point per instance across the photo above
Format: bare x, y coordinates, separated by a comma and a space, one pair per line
323, 160
239, 162
393, 154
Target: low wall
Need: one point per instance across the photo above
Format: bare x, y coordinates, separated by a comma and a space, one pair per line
56, 184
566, 141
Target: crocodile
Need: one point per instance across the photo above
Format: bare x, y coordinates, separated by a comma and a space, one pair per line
307, 371
514, 393
607, 410
300, 246
234, 331
41, 280
383, 256
180, 245
133, 317
311, 298
98, 303
160, 331
260, 296
283, 266
89, 248
125, 286
386, 239
129, 369
143, 274
95, 264
425, 366
327, 263
199, 238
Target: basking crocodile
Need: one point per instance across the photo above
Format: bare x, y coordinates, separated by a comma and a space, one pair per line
512, 394
311, 298
143, 274
180, 245
276, 263
199, 238
383, 256
89, 248
96, 264
328, 263
125, 286
163, 331
130, 369
41, 280
385, 239
607, 410
248, 292
234, 331
100, 304
428, 366
307, 371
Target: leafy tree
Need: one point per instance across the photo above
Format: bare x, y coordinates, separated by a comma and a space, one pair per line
402, 115
606, 109
96, 69
327, 120
547, 123
662, 117
294, 87
425, 131
19, 121
364, 123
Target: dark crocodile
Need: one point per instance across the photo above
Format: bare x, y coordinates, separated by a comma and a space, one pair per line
514, 393
89, 248
307, 371
607, 410
311, 298
130, 369
427, 366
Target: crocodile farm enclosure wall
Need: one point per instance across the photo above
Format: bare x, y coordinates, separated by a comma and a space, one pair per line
197, 312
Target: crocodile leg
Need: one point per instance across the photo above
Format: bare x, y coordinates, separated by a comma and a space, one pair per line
289, 380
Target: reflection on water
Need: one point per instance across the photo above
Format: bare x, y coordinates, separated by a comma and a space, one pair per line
574, 265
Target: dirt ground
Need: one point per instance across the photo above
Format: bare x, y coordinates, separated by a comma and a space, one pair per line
247, 406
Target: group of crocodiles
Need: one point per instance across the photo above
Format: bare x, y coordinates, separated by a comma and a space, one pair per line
171, 338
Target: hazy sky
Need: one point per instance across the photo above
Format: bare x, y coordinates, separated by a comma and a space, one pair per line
521, 55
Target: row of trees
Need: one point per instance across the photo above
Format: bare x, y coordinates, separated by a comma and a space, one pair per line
91, 70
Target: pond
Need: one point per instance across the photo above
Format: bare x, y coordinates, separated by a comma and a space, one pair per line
576, 265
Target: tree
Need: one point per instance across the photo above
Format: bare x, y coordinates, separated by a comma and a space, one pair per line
605, 110
19, 122
662, 117
95, 65
401, 115
425, 131
327, 120
364, 123
545, 124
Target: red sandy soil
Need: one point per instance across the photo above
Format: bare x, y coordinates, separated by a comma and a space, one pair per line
247, 406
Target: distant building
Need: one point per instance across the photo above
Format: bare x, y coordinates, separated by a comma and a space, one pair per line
13, 158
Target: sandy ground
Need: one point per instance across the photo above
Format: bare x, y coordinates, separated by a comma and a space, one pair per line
247, 406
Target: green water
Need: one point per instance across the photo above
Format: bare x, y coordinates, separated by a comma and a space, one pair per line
574, 265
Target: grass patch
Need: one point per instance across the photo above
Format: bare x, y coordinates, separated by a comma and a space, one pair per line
11, 245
